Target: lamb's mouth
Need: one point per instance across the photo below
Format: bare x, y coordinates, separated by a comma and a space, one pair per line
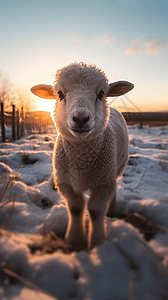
80, 132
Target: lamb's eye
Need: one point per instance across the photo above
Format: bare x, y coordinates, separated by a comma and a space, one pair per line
61, 95
100, 95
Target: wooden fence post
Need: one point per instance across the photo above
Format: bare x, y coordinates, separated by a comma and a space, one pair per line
22, 121
18, 124
2, 123
141, 120
13, 124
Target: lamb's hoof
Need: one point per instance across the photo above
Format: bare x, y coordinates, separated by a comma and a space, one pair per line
96, 242
111, 214
111, 211
77, 245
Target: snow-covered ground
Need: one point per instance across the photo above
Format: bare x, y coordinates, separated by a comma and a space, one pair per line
36, 264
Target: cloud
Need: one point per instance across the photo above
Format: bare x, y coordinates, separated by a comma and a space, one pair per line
107, 39
148, 46
77, 38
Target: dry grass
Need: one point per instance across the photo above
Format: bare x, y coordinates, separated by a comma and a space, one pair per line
12, 277
37, 244
5, 195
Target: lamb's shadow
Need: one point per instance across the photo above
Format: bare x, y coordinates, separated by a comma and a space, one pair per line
140, 222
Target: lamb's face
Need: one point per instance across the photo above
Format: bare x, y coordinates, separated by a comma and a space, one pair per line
81, 107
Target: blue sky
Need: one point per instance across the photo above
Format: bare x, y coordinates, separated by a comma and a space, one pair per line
128, 39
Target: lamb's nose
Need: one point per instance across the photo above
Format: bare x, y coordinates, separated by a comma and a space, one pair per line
81, 121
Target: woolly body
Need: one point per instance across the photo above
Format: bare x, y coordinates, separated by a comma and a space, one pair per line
86, 164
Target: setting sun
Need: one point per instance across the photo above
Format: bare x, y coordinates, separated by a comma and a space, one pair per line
45, 105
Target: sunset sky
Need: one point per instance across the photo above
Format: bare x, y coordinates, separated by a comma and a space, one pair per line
128, 39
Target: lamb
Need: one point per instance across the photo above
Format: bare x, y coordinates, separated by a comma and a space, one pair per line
91, 148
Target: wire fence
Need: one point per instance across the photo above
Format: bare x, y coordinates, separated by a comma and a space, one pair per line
21, 123
134, 115
15, 118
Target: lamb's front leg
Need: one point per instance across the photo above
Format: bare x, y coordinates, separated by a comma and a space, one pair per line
97, 206
76, 231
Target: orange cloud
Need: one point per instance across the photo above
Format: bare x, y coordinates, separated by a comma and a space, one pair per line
148, 46
107, 39
77, 38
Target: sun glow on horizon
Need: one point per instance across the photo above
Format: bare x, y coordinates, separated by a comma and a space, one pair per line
45, 105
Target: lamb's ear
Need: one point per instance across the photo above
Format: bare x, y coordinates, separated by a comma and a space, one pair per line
43, 91
119, 88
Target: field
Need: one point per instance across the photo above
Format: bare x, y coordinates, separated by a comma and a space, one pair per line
35, 262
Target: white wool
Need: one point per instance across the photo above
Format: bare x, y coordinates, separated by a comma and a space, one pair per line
91, 149
92, 161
